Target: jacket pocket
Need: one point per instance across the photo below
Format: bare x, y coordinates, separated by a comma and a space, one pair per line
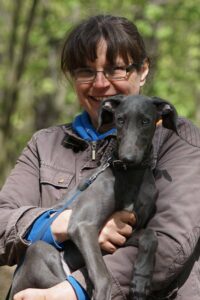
55, 177
54, 183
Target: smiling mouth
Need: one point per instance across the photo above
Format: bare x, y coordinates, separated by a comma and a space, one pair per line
99, 99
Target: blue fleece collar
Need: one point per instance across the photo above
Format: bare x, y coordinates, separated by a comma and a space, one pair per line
84, 128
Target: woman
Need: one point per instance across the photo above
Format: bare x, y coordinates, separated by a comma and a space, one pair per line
105, 56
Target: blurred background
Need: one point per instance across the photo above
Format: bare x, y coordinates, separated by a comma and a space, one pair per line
33, 92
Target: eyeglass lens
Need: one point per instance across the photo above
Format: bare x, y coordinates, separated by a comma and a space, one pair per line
114, 73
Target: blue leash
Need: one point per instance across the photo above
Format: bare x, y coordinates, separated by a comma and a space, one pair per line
82, 187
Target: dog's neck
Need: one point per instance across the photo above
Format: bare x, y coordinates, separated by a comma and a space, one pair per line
128, 179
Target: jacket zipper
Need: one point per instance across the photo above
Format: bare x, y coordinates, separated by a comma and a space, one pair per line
94, 146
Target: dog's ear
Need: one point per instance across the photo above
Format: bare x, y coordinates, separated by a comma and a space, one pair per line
167, 113
107, 110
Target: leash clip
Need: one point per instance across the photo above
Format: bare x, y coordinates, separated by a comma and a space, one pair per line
94, 176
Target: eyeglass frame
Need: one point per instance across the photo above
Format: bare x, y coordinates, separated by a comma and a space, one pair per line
128, 69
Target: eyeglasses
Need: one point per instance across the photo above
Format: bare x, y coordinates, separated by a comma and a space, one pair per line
86, 75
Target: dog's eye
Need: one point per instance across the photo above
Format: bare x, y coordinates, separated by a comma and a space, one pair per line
145, 121
120, 120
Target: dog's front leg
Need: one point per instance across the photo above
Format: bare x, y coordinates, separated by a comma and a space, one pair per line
144, 265
145, 204
85, 236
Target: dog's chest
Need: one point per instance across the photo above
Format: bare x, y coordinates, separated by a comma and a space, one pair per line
126, 187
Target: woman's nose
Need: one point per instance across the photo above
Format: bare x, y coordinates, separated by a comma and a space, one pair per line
101, 80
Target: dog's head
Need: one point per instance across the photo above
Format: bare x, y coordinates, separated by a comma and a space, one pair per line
135, 118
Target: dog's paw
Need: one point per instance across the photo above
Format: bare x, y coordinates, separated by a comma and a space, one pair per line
140, 287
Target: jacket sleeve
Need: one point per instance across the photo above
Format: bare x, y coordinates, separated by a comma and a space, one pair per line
177, 220
19, 204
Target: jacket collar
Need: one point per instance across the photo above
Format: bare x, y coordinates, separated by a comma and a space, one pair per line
73, 141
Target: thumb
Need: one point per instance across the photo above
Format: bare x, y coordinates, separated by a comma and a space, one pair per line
127, 217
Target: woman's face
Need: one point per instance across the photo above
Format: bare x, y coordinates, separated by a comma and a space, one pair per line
91, 94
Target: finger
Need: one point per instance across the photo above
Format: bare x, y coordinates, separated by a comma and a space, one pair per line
108, 247
112, 227
115, 239
126, 230
126, 217
132, 219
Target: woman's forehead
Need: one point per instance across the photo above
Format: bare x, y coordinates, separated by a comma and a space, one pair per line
102, 51
113, 55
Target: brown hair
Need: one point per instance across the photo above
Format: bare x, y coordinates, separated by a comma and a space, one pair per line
122, 39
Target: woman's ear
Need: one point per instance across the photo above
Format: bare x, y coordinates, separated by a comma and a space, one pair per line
144, 72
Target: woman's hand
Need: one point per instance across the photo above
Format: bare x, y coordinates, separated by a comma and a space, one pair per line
116, 230
61, 291
60, 225
113, 234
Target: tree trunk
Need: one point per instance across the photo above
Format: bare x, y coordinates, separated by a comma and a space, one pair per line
17, 67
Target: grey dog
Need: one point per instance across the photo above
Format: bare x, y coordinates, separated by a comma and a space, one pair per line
128, 184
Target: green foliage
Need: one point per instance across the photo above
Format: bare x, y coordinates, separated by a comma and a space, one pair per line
44, 98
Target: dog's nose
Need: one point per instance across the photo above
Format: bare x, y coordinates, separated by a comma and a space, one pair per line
132, 158
127, 159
